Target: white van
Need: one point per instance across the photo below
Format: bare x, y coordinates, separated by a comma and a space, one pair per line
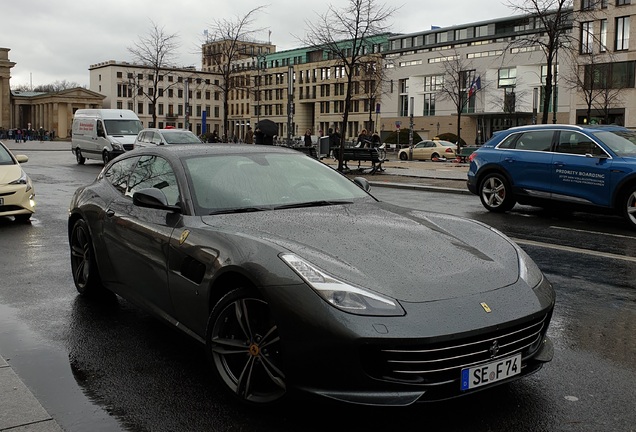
103, 133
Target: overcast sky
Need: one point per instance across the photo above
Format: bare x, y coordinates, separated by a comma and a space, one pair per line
57, 40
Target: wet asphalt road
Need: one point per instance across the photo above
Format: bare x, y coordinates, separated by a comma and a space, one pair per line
106, 366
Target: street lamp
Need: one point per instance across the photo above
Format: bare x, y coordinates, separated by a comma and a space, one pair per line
411, 101
290, 102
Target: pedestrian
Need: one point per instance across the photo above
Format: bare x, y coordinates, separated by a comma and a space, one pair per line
363, 139
18, 135
249, 135
376, 141
308, 142
41, 133
258, 136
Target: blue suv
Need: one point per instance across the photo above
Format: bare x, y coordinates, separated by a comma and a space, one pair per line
591, 167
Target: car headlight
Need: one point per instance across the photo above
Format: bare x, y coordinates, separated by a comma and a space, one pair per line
342, 295
24, 179
528, 270
117, 146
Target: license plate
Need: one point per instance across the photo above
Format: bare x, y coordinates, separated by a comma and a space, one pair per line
488, 373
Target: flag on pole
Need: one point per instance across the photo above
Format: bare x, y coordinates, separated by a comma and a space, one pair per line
476, 85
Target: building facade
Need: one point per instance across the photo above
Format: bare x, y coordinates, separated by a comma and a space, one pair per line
605, 63
499, 83
187, 98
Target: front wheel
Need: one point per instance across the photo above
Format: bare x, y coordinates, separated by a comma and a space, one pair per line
496, 194
83, 264
106, 157
404, 156
244, 348
78, 157
629, 207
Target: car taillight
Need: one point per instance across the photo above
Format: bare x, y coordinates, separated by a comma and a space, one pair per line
472, 156
449, 150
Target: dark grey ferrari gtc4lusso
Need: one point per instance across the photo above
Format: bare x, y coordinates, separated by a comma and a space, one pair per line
296, 279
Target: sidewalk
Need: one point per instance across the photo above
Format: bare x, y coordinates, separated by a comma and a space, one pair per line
20, 411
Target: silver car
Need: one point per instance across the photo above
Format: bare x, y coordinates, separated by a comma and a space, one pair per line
154, 136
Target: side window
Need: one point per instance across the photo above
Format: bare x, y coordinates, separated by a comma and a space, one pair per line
508, 142
119, 172
100, 128
577, 143
154, 172
535, 141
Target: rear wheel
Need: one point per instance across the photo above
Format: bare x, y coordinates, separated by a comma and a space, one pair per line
629, 206
434, 156
106, 157
78, 157
496, 194
244, 348
83, 265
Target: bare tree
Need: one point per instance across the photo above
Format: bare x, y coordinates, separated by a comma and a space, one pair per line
554, 18
459, 77
156, 51
55, 87
344, 34
228, 36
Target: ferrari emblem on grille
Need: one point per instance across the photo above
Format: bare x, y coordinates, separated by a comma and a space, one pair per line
486, 307
184, 236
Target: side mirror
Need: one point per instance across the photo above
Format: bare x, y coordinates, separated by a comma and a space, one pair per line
153, 198
362, 183
21, 158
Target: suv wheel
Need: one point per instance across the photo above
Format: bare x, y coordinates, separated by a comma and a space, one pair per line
496, 194
629, 206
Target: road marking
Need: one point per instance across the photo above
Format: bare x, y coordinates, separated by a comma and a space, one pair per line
574, 249
594, 232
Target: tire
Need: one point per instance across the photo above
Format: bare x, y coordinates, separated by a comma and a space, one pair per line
404, 156
83, 264
23, 217
496, 194
629, 207
78, 157
106, 157
434, 155
243, 346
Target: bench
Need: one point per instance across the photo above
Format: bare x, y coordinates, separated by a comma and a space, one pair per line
465, 152
361, 155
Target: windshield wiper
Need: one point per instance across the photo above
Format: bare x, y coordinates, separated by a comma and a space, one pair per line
318, 203
240, 210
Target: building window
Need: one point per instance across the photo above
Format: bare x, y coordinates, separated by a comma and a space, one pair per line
160, 109
587, 37
140, 108
603, 36
119, 74
507, 77
622, 33
120, 105
623, 2
587, 4
429, 104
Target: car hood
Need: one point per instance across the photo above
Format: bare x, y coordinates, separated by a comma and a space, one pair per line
124, 139
9, 173
410, 255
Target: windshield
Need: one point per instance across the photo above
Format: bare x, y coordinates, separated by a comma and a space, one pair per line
181, 137
122, 127
5, 157
621, 142
265, 181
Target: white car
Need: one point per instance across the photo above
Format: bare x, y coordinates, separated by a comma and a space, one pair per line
17, 194
154, 136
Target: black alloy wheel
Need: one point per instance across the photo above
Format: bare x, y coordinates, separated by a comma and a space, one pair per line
244, 348
629, 206
496, 194
83, 264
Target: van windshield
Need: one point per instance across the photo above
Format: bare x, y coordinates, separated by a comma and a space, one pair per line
122, 127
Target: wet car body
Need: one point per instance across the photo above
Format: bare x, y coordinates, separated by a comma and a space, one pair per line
182, 264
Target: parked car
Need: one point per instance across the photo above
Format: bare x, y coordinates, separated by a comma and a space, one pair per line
297, 280
586, 167
17, 194
430, 150
154, 137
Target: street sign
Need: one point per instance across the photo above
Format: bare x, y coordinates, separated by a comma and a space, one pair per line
398, 124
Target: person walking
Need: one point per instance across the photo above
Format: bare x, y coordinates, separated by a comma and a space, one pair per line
18, 135
308, 142
249, 136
